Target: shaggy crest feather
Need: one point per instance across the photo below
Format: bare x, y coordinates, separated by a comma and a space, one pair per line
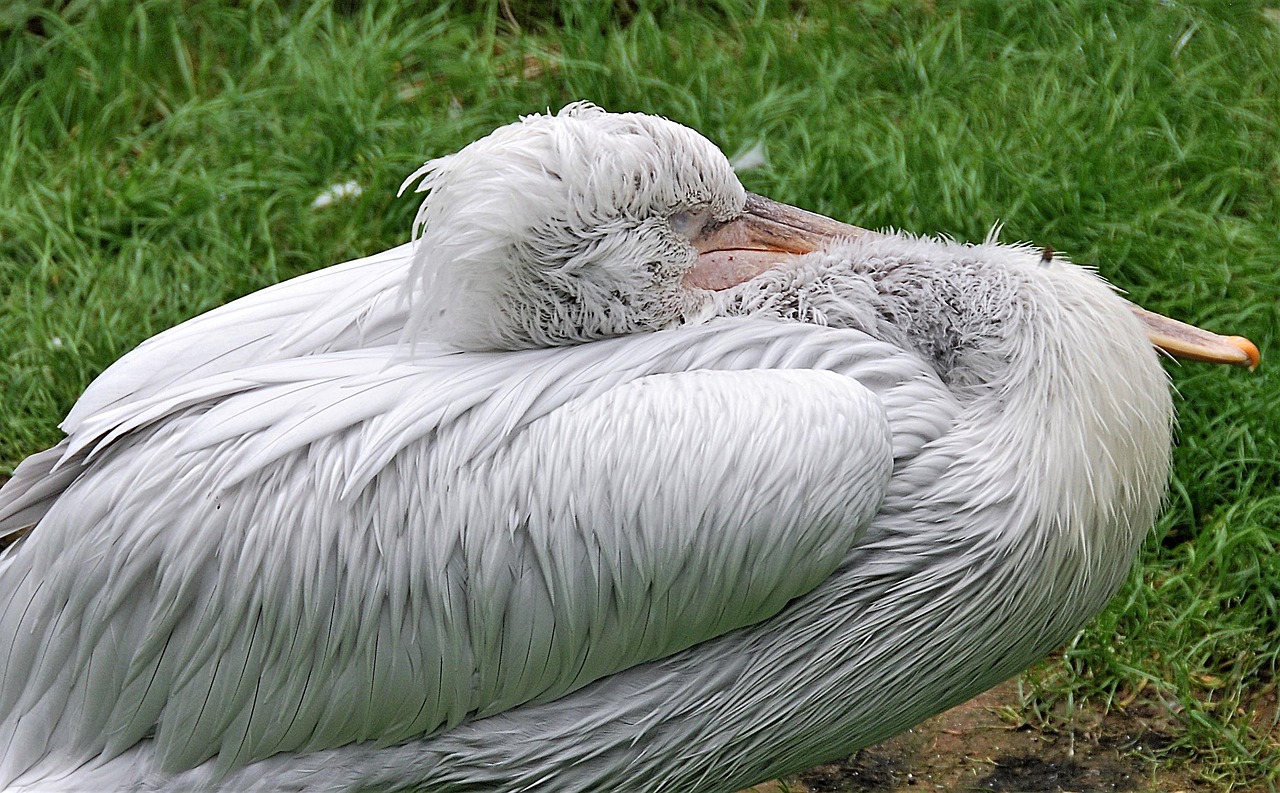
517, 509
505, 257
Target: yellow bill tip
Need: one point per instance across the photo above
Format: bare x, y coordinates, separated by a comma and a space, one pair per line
1188, 341
1248, 348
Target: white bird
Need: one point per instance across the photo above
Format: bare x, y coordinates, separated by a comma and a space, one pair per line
617, 478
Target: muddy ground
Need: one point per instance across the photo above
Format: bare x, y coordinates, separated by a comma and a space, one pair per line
982, 746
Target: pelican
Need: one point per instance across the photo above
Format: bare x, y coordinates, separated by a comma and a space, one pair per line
617, 477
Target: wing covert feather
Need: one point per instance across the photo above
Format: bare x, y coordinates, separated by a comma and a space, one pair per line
666, 511
343, 307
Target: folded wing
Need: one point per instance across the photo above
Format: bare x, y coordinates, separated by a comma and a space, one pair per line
344, 548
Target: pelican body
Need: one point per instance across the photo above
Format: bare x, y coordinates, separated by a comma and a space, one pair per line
616, 478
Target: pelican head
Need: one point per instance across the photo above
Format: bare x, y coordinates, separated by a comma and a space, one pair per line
564, 228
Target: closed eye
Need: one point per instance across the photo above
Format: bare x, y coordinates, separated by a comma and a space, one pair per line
689, 222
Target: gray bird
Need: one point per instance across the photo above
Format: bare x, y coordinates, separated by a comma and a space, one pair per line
616, 478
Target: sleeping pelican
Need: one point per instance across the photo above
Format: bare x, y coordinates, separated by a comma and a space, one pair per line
616, 478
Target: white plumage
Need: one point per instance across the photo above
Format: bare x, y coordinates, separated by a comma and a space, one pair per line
526, 507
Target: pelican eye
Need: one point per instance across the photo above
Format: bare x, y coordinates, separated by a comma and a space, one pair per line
688, 222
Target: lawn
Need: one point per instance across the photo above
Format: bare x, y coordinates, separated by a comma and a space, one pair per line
161, 158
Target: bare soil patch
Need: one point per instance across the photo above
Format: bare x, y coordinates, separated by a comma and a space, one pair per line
983, 746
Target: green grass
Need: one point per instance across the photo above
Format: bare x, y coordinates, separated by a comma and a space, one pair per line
161, 158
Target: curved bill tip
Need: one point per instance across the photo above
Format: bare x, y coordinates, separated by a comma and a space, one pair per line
1187, 341
1248, 348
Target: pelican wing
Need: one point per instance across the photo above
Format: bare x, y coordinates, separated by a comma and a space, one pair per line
347, 306
356, 546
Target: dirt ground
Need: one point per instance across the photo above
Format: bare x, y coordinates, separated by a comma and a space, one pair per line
979, 746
